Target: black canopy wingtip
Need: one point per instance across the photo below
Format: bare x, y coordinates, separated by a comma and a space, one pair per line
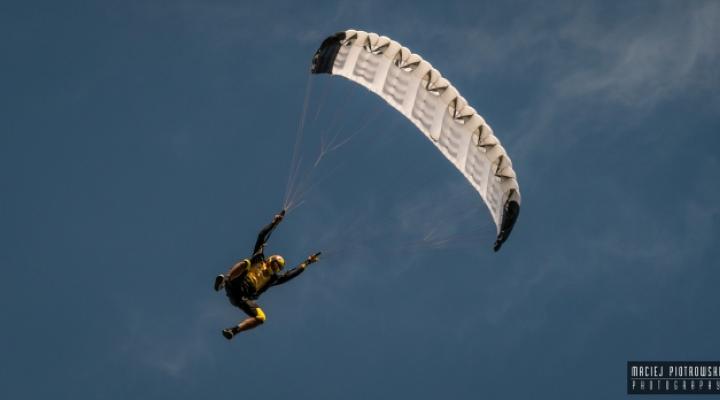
510, 215
497, 245
324, 57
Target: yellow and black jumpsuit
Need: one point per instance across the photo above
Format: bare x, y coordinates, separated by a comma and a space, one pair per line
256, 277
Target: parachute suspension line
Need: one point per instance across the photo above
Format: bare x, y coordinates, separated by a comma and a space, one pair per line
300, 189
332, 146
296, 161
294, 190
335, 120
303, 186
447, 243
436, 239
295, 182
321, 103
458, 239
323, 137
304, 189
294, 205
454, 212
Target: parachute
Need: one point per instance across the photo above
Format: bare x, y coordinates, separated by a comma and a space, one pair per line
413, 87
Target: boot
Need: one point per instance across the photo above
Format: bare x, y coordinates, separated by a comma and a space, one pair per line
228, 333
219, 282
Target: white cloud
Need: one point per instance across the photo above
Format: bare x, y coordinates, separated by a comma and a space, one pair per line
640, 61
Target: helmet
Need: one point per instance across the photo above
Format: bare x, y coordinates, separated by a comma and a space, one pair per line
277, 259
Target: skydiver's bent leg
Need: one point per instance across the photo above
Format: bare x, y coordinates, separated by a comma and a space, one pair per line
256, 318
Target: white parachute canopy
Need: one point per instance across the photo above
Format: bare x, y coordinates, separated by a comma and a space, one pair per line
413, 87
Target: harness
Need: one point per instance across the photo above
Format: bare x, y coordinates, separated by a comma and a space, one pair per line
259, 275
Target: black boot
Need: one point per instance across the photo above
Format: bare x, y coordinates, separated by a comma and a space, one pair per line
228, 333
219, 282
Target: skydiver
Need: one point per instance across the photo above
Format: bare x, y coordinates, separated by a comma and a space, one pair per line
249, 278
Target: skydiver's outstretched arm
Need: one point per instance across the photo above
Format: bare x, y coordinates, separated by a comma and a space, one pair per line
293, 273
265, 233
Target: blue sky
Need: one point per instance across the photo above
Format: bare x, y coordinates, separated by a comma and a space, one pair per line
144, 143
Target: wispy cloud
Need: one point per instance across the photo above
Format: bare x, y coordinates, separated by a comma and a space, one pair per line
585, 62
641, 61
169, 347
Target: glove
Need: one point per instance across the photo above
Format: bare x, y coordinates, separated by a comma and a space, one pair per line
279, 216
312, 259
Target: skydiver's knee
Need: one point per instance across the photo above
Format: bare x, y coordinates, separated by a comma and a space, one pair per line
260, 315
